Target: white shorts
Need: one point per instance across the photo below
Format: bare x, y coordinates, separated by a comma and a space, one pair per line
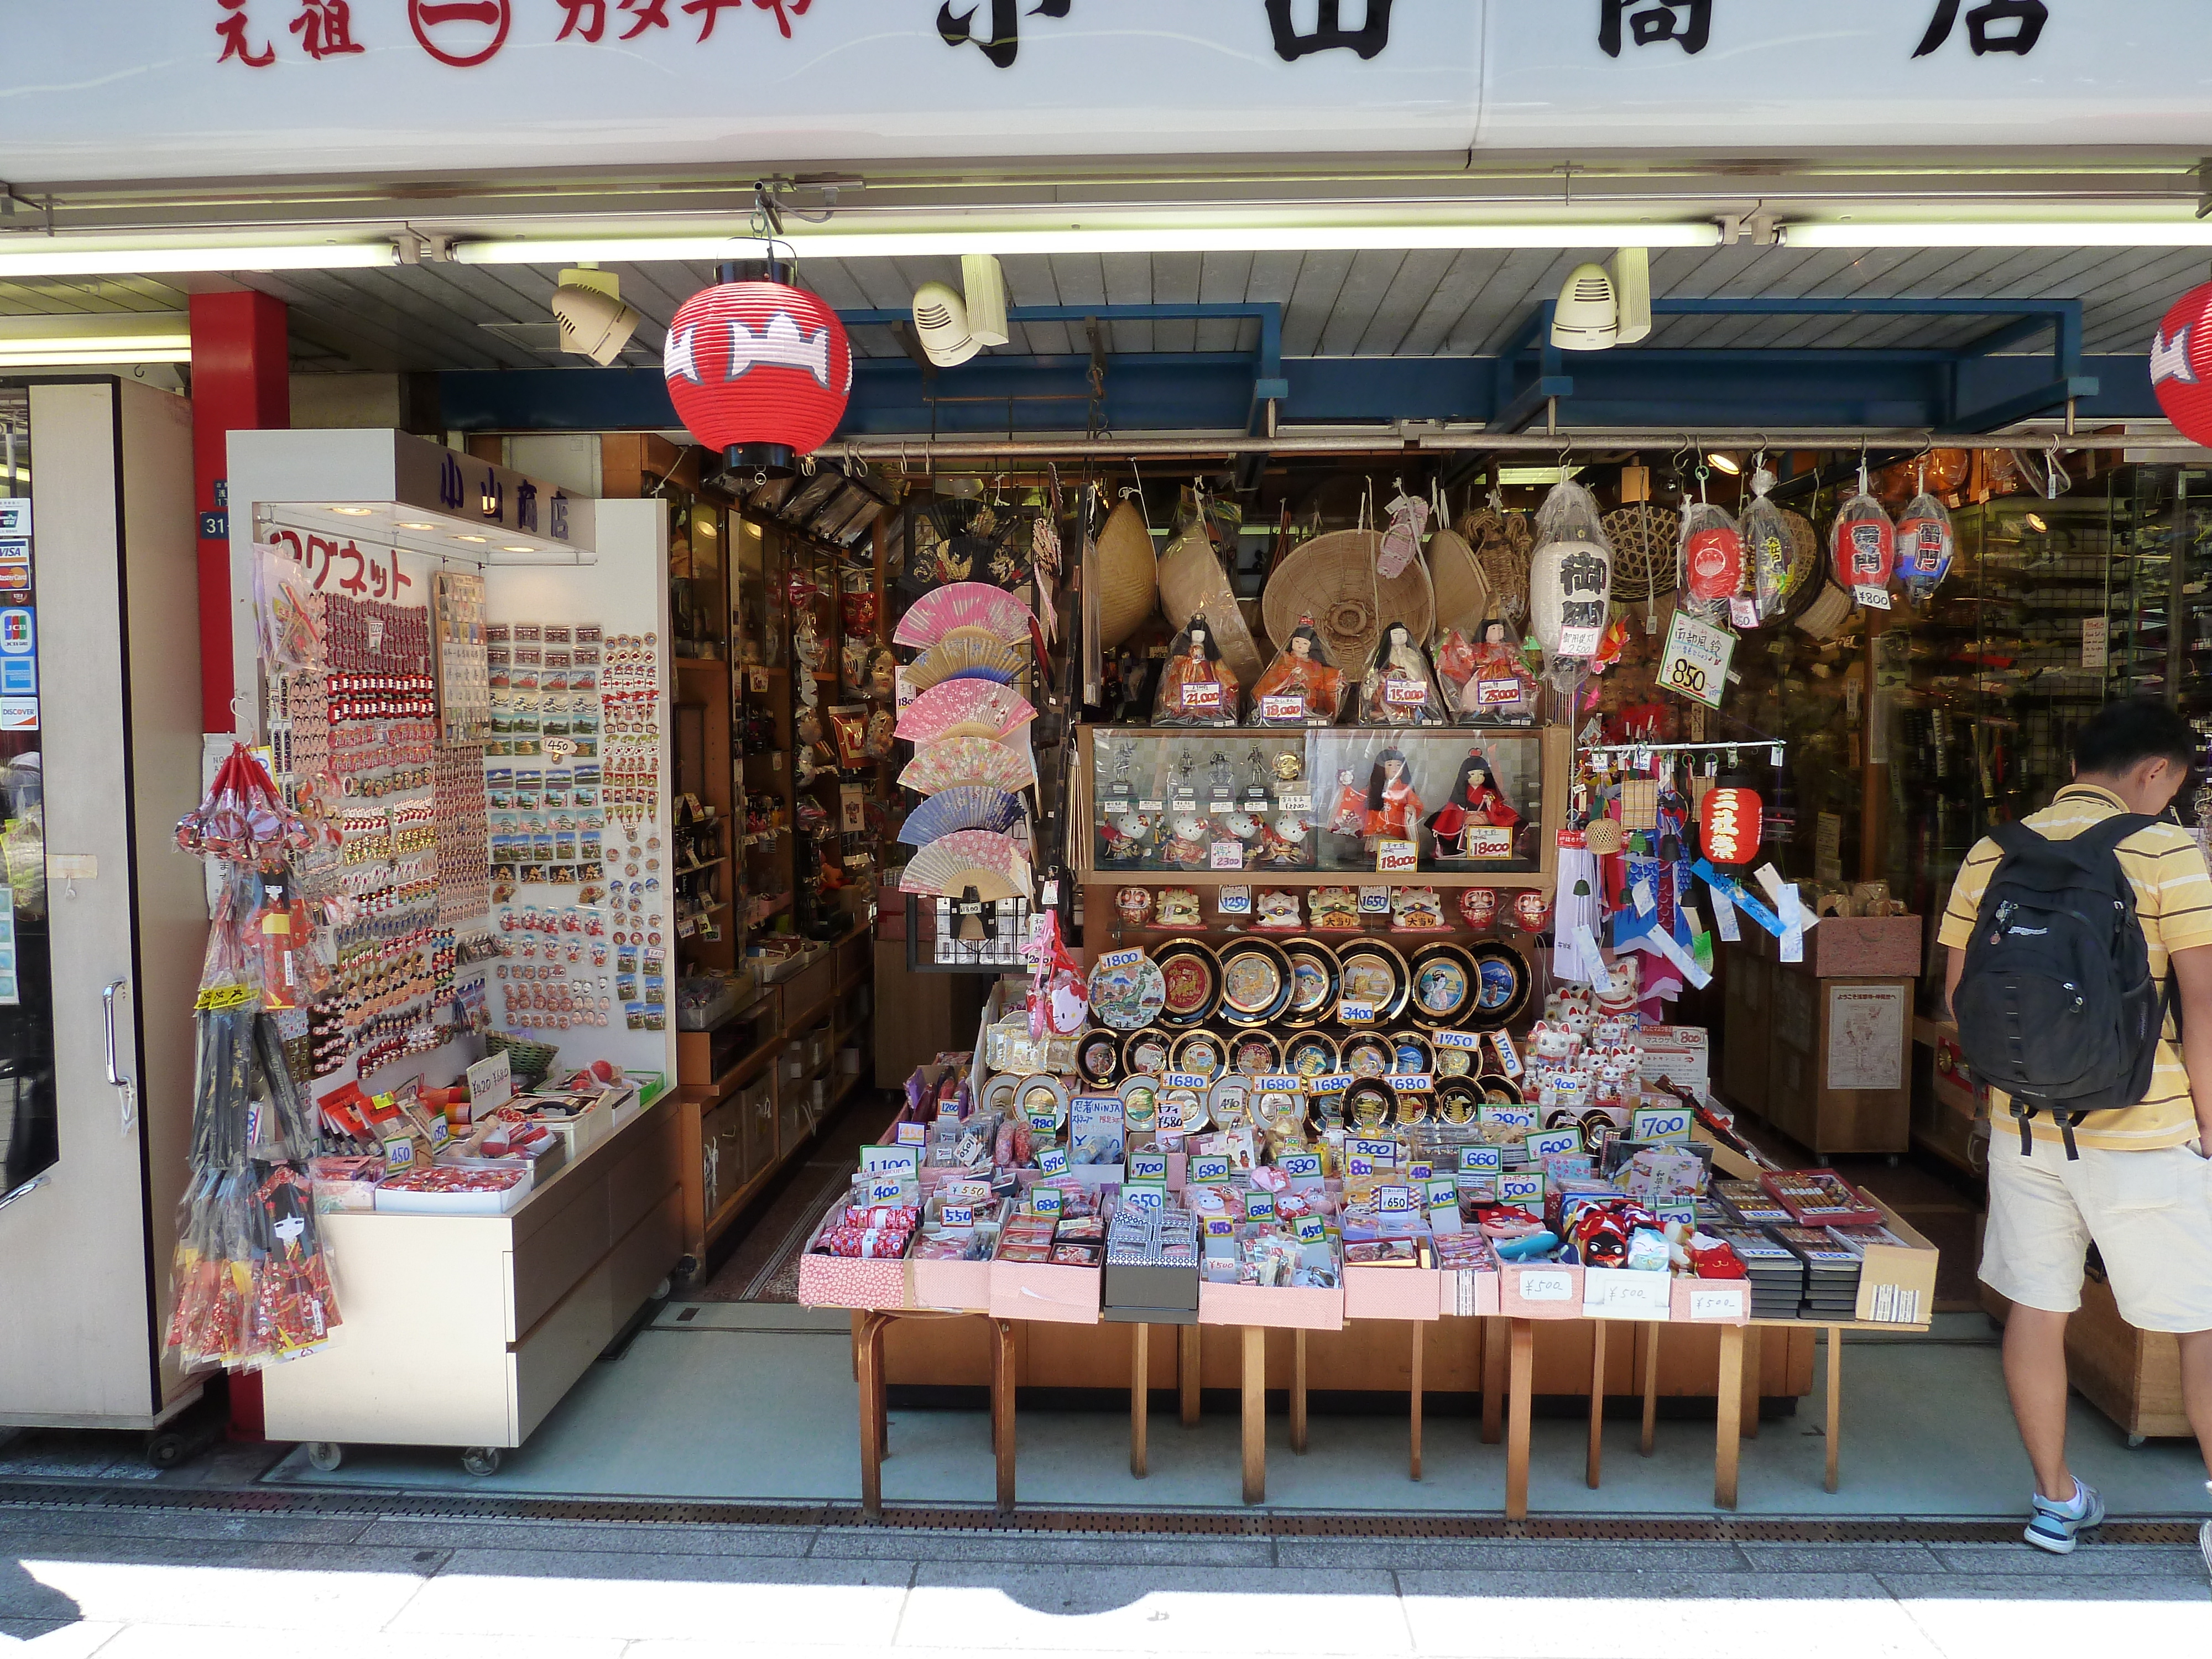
2149, 1213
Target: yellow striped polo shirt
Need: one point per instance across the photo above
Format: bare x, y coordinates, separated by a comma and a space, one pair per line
2173, 902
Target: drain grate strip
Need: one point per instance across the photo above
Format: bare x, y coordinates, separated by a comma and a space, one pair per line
1262, 1523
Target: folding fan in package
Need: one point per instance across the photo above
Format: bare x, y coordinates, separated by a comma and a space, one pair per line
990, 710
965, 658
964, 807
985, 860
963, 606
957, 761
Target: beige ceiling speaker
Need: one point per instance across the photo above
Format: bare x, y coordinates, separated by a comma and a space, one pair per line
1333, 580
984, 285
1600, 307
1193, 583
594, 321
1129, 574
940, 322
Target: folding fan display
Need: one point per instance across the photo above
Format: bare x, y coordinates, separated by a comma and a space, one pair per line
966, 806
984, 859
967, 760
994, 710
963, 606
964, 658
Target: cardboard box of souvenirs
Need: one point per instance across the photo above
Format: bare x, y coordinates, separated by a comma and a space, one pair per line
866, 1284
1712, 1301
1467, 1294
1393, 1292
497, 1201
1540, 1290
1150, 1293
1897, 1282
1288, 1307
949, 1286
1042, 1290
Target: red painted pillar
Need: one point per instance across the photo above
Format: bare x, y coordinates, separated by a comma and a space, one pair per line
241, 382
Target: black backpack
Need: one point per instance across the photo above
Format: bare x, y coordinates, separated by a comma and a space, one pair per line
2056, 1005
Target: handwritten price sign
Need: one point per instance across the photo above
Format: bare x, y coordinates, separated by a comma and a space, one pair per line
1696, 660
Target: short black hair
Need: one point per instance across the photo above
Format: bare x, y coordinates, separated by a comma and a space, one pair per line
2122, 735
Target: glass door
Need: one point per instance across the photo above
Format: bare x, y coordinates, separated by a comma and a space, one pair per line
29, 1137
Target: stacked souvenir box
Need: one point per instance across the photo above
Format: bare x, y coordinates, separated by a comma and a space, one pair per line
1776, 1274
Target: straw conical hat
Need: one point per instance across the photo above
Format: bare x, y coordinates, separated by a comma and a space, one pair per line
1462, 590
1333, 579
1192, 582
1128, 583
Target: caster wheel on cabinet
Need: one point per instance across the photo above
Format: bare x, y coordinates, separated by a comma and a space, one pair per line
481, 1460
325, 1455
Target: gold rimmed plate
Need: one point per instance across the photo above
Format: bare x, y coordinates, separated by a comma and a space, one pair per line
1315, 972
1202, 1054
1501, 987
1411, 1053
1257, 982
1367, 1056
1191, 983
1098, 1059
1444, 983
1375, 974
1144, 1053
1254, 1053
1310, 1054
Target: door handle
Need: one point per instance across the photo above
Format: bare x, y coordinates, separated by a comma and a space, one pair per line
128, 1100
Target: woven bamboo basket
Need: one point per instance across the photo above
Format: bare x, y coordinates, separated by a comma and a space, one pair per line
1804, 564
1333, 579
1193, 583
1644, 538
1129, 579
1462, 590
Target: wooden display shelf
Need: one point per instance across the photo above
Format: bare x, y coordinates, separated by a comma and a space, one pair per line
1104, 877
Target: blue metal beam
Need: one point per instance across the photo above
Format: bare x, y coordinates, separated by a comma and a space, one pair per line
1212, 391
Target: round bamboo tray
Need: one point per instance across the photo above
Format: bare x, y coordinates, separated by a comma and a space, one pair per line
1462, 590
1333, 579
1192, 584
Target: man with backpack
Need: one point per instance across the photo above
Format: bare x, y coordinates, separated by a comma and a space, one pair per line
2080, 974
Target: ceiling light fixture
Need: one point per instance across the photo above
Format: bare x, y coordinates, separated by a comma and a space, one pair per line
517, 550
353, 512
2034, 522
414, 523
123, 337
471, 539
1723, 463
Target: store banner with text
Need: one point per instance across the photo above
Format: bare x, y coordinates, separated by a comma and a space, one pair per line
183, 88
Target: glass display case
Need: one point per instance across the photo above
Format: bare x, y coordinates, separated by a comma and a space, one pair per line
1232, 805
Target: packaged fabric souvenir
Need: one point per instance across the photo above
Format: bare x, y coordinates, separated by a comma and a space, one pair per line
1571, 575
1924, 544
1301, 686
1196, 687
1398, 688
1768, 549
1863, 546
1712, 559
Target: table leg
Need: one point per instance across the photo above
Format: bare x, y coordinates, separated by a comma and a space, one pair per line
1141, 1398
1523, 1341
1298, 1392
1493, 1380
1187, 1372
1751, 1381
867, 1353
1727, 1438
1255, 1414
1002, 1409
857, 1318
1835, 1408
1593, 1460
1419, 1327
1650, 1388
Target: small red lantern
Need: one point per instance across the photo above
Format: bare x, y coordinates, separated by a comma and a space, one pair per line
1729, 821
759, 370
1865, 545
2181, 363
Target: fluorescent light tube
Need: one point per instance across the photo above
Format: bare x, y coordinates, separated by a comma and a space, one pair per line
2037, 233
53, 256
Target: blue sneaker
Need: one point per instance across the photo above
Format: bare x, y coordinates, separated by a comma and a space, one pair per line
2053, 1525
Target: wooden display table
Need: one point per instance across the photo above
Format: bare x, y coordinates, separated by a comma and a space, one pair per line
875, 1416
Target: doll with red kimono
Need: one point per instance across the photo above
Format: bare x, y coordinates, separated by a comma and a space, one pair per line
1475, 801
1392, 808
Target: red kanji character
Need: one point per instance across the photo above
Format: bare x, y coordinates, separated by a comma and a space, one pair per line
650, 14
325, 28
578, 11
233, 29
353, 584
379, 578
797, 9
399, 577
317, 558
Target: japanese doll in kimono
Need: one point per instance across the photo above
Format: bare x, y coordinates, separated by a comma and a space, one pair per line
1392, 808
1196, 687
1301, 670
1475, 800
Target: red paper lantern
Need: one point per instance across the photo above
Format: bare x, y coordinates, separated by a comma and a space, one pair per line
1729, 821
1713, 563
1865, 545
2181, 363
760, 370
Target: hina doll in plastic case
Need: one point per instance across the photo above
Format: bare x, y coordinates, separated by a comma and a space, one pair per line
1300, 687
1498, 690
1196, 687
1398, 688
